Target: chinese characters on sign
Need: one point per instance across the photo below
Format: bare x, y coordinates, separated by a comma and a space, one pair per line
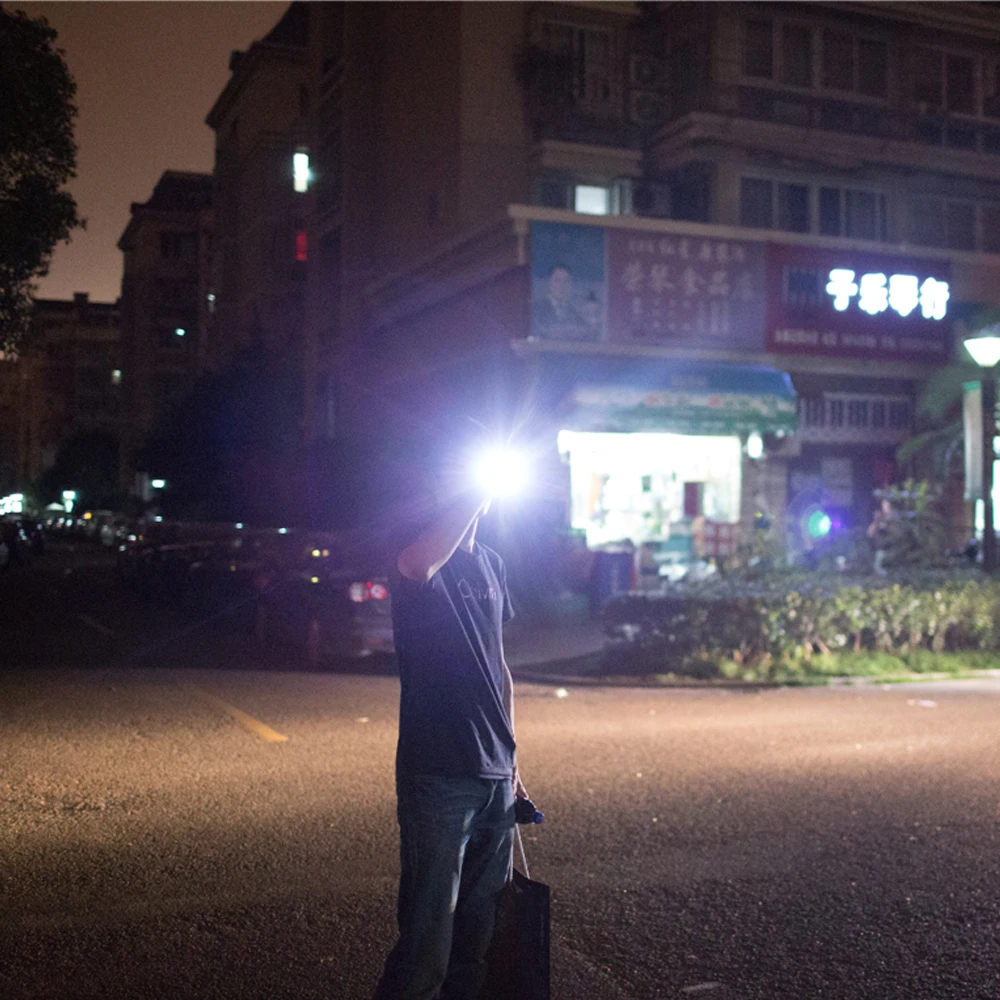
901, 292
628, 286
685, 291
870, 305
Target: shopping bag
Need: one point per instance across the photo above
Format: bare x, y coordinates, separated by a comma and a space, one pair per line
518, 961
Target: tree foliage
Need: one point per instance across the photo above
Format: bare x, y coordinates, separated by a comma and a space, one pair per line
37, 157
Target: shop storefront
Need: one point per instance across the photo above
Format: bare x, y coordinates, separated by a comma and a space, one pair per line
657, 449
643, 345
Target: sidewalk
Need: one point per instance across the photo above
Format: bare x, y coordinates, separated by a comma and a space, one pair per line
533, 648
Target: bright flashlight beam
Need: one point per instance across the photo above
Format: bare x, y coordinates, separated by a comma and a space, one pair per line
502, 473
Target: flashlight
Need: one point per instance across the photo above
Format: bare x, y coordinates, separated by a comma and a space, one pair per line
501, 473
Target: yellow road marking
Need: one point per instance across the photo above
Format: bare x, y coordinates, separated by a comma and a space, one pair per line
247, 722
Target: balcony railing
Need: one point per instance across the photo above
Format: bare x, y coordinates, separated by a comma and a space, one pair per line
854, 118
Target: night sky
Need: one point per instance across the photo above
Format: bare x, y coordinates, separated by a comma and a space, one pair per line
146, 75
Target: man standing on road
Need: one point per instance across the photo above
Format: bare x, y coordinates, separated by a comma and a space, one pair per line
456, 771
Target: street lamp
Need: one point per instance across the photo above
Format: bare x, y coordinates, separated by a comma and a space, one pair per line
985, 351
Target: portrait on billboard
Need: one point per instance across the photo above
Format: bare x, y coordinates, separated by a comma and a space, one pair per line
568, 288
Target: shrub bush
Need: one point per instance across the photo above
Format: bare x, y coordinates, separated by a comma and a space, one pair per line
773, 630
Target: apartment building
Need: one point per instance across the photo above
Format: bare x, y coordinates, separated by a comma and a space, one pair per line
166, 302
712, 251
65, 382
261, 185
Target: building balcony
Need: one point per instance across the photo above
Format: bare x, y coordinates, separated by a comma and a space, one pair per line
844, 134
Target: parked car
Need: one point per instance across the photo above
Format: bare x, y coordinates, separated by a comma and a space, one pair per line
329, 611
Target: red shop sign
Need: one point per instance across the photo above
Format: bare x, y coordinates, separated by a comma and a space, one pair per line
860, 305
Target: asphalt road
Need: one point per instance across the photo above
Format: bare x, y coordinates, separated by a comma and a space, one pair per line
791, 844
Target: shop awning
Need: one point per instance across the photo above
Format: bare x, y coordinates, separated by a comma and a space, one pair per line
682, 397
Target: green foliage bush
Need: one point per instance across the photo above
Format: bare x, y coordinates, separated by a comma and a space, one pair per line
774, 631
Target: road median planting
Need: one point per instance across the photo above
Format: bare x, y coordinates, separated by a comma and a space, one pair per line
801, 630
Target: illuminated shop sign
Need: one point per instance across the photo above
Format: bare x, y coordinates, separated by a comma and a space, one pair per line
861, 305
876, 293
602, 284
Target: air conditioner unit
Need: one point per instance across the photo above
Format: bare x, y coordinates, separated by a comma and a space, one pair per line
651, 200
787, 446
646, 107
646, 71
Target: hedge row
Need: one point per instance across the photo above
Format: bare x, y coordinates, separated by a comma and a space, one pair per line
766, 628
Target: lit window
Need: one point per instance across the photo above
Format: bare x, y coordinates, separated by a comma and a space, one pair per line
300, 172
591, 200
301, 245
180, 331
211, 301
116, 376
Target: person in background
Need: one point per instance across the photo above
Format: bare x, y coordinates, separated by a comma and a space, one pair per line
879, 532
456, 764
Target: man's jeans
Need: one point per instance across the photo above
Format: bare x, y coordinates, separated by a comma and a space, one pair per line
456, 841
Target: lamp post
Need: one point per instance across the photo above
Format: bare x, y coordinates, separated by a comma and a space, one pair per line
985, 351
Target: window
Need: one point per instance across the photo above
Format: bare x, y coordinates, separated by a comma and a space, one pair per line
591, 200
176, 245
960, 79
861, 217
796, 56
878, 414
793, 208
836, 413
873, 75
756, 208
300, 172
829, 211
116, 376
927, 222
758, 50
173, 337
960, 217
589, 64
301, 245
991, 88
899, 415
848, 212
991, 228
857, 413
937, 222
928, 78
838, 60
552, 194
945, 81
815, 412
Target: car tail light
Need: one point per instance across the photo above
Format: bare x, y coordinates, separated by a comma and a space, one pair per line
360, 592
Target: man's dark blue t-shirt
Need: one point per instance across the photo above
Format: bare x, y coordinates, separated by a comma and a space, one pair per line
447, 633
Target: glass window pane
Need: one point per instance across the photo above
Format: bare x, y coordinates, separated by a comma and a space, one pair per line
862, 221
829, 211
553, 194
793, 208
927, 79
961, 225
756, 210
991, 228
872, 72
796, 54
591, 200
927, 222
758, 50
961, 84
838, 60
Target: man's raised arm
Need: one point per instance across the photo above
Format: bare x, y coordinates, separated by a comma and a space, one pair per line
438, 541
